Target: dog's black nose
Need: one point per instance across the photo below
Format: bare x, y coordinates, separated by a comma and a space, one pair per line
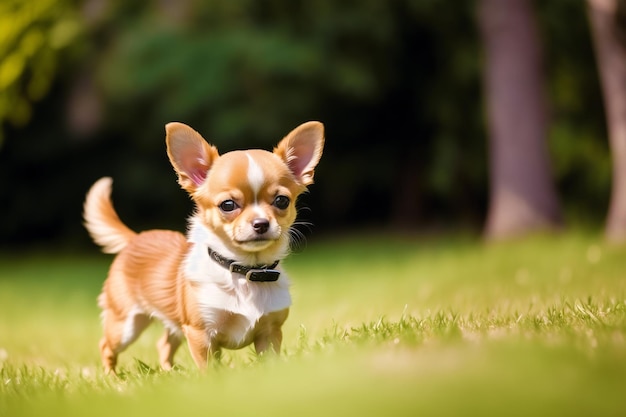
260, 225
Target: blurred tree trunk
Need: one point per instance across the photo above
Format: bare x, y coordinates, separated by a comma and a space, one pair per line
611, 59
522, 193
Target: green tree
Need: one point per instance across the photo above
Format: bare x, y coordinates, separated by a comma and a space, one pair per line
523, 195
33, 34
611, 58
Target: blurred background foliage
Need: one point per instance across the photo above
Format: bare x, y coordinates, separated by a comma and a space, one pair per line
32, 43
87, 86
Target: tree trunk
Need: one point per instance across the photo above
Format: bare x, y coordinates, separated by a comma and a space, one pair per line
611, 59
522, 193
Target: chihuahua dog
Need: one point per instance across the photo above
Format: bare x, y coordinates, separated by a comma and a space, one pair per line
221, 285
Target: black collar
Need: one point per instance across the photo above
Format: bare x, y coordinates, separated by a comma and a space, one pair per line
256, 273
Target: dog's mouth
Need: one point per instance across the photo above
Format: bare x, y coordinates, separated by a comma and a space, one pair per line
252, 241
255, 245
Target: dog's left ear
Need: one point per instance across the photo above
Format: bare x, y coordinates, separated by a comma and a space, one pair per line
301, 150
190, 155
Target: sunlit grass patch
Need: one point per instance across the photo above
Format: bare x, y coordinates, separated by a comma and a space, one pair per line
379, 326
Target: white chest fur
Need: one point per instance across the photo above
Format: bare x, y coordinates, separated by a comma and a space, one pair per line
219, 290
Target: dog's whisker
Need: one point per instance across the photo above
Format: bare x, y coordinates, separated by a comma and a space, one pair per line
297, 236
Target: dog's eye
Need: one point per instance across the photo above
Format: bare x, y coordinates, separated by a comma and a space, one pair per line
228, 205
281, 202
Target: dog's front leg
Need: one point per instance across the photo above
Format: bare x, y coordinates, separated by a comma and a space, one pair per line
200, 345
273, 339
269, 331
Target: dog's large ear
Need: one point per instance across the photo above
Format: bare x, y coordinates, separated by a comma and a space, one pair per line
301, 150
190, 155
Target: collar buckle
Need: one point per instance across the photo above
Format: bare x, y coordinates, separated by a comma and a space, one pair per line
262, 275
255, 274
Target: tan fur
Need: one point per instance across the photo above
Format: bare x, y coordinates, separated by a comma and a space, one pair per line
163, 274
105, 228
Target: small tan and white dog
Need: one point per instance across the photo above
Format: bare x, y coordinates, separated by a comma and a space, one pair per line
220, 287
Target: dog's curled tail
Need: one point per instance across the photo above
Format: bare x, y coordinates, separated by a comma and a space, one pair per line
101, 220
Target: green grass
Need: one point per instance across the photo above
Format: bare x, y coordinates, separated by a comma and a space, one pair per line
380, 326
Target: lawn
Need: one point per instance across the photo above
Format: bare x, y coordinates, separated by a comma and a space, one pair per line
380, 325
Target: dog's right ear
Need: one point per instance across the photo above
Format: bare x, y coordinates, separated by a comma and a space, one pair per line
190, 155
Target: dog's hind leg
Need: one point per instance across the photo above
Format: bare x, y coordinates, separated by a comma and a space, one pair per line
167, 345
118, 334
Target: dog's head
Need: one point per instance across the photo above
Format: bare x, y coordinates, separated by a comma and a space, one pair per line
247, 198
